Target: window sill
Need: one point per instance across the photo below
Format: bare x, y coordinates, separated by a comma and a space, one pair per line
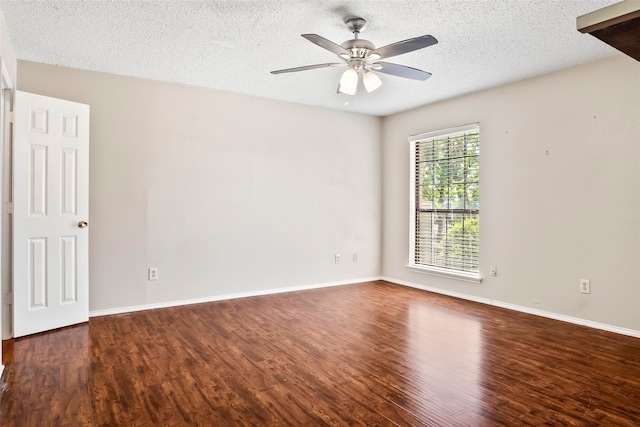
435, 271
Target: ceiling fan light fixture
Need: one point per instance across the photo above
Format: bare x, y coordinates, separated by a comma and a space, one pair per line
371, 81
346, 90
373, 56
349, 78
348, 82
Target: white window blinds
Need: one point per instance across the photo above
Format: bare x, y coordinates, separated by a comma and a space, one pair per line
445, 203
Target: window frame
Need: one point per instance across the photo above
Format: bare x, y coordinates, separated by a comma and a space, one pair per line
474, 277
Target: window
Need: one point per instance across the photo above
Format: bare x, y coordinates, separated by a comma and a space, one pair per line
445, 203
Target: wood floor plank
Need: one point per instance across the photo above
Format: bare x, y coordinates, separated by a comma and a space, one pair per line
370, 354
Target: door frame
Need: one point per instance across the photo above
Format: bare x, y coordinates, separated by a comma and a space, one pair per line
6, 106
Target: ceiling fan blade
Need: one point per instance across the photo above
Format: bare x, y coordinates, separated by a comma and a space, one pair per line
401, 71
309, 67
405, 46
326, 44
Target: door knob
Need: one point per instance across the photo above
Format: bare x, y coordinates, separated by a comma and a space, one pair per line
83, 224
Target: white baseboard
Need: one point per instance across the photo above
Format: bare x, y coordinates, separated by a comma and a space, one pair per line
130, 309
523, 309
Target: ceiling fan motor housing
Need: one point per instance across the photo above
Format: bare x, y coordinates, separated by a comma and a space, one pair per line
359, 50
358, 47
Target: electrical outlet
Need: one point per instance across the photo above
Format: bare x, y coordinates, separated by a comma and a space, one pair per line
337, 258
493, 271
153, 273
355, 257
585, 286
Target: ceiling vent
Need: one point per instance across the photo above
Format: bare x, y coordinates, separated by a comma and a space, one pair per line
617, 25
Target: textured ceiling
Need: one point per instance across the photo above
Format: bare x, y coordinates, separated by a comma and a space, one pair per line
232, 45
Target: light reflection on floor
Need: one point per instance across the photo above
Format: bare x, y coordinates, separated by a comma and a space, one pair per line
445, 348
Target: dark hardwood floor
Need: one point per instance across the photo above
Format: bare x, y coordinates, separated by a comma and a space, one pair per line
364, 354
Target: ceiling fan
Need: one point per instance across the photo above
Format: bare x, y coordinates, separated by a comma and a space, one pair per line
362, 57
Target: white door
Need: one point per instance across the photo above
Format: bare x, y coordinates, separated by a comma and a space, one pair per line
51, 214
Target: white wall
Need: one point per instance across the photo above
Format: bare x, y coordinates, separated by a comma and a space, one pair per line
223, 193
560, 191
227, 193
6, 51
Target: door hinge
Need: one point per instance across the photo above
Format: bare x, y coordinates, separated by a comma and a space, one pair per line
8, 298
10, 207
11, 117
